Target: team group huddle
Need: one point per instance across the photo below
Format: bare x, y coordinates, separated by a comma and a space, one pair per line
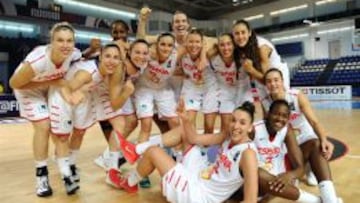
169, 79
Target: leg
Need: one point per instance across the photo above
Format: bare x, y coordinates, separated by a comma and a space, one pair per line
209, 122
289, 192
320, 167
225, 122
145, 129
40, 150
106, 128
163, 125
131, 123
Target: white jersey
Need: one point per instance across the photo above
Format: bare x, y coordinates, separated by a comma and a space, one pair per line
162, 71
275, 60
270, 157
228, 84
225, 74
44, 68
193, 75
223, 178
33, 103
297, 117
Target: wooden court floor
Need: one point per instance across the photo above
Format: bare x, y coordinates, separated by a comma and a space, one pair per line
17, 167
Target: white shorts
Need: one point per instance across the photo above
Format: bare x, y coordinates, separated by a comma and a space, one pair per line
146, 98
102, 104
306, 133
201, 98
33, 103
227, 99
180, 186
64, 117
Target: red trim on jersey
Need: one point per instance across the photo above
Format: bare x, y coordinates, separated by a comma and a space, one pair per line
171, 176
177, 182
186, 183
55, 107
40, 57
39, 120
187, 150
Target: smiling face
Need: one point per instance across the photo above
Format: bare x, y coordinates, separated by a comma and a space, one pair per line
241, 34
119, 31
139, 54
274, 81
110, 59
180, 24
62, 43
278, 117
165, 45
193, 44
226, 46
240, 126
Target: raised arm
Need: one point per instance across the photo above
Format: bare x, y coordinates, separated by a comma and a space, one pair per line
190, 132
119, 91
305, 106
141, 29
21, 79
249, 167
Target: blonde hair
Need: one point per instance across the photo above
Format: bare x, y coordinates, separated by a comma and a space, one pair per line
61, 26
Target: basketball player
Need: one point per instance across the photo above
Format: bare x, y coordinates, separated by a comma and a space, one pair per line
42, 68
195, 181
311, 134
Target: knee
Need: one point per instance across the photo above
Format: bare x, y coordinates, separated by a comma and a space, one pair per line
42, 127
313, 144
132, 124
152, 151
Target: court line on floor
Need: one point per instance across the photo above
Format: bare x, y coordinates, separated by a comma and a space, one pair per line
353, 156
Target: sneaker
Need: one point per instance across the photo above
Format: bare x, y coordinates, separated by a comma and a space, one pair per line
43, 188
127, 148
112, 178
311, 179
70, 185
102, 162
145, 183
75, 173
124, 184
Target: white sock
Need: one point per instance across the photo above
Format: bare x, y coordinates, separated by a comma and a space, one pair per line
153, 141
73, 156
64, 166
113, 159
327, 191
134, 178
142, 147
306, 197
106, 153
42, 163
156, 140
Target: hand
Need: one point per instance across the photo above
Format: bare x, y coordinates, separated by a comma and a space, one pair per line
327, 148
144, 13
66, 94
77, 97
95, 45
247, 64
280, 182
129, 87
